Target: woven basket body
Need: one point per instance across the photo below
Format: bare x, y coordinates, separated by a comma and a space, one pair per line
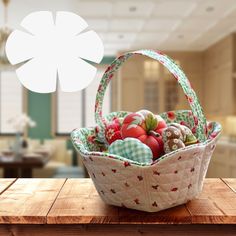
172, 180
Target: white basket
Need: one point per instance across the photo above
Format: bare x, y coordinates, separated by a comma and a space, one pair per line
174, 179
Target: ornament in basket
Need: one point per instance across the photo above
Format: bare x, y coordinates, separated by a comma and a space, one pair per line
170, 180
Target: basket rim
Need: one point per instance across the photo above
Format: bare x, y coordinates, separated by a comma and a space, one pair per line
118, 158
83, 151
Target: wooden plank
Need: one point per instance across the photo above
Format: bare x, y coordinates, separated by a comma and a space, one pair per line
231, 183
216, 204
28, 201
75, 201
85, 206
117, 230
5, 183
175, 215
79, 203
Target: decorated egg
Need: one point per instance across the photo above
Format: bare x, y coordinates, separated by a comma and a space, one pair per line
177, 136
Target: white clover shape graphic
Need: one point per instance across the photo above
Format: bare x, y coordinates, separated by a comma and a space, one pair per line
51, 50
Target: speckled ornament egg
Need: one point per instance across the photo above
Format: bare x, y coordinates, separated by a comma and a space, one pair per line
187, 136
173, 144
181, 128
171, 132
177, 136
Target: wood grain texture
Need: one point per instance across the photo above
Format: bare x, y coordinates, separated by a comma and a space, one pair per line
117, 230
5, 183
175, 215
28, 201
75, 201
79, 203
216, 204
231, 183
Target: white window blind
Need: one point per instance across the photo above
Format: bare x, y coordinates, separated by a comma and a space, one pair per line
90, 96
11, 100
69, 111
76, 110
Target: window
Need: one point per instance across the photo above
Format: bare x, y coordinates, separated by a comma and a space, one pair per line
90, 96
11, 100
151, 69
69, 111
76, 110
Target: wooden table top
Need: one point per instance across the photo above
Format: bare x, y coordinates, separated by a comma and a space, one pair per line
75, 201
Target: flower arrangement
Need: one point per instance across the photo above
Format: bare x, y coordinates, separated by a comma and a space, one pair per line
20, 122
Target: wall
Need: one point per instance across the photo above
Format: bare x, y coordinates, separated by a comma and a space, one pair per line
39, 109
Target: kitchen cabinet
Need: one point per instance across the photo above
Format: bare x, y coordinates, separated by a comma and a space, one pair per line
144, 83
218, 77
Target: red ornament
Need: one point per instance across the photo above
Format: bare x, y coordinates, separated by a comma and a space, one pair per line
146, 127
112, 131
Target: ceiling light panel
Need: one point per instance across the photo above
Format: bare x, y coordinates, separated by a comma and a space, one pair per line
94, 8
140, 8
120, 37
98, 24
219, 8
126, 24
161, 24
117, 45
185, 38
151, 37
152, 45
175, 8
195, 25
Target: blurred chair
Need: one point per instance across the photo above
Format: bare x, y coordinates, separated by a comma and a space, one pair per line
60, 157
33, 144
4, 144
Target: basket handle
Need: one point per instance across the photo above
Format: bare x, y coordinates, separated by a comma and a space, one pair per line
201, 127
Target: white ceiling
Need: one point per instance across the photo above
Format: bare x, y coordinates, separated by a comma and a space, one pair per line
133, 24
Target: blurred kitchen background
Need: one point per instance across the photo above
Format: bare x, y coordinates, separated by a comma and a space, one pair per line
198, 34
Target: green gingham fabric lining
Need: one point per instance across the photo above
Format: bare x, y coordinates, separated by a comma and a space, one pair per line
201, 127
132, 149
